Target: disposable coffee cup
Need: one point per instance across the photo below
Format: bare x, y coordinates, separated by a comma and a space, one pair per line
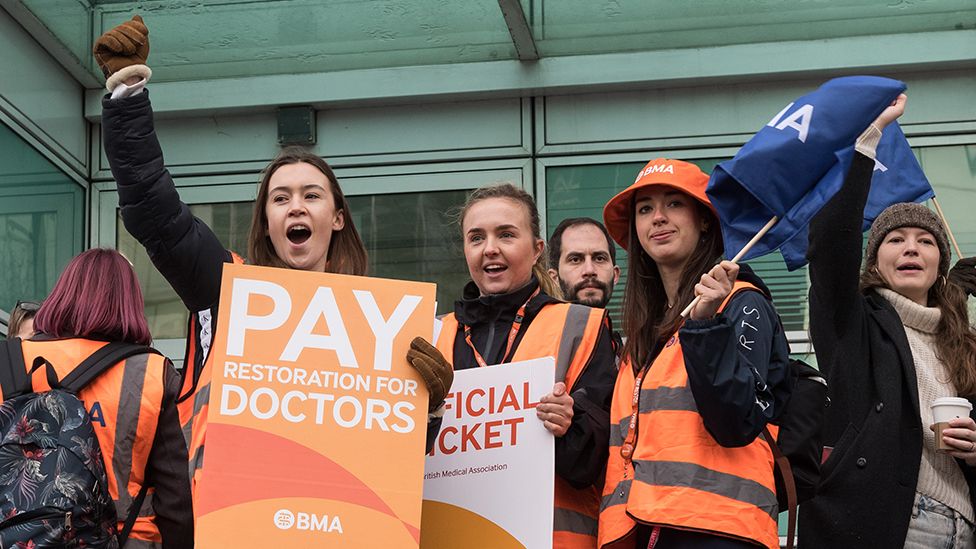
945, 409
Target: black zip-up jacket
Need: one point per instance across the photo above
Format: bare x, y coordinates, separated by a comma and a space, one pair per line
738, 365
182, 247
581, 454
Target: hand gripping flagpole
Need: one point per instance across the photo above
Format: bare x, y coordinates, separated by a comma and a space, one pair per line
745, 249
945, 223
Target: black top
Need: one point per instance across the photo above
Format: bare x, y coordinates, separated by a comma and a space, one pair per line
581, 454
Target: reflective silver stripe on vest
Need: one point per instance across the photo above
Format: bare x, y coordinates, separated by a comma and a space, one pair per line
672, 399
188, 431
619, 496
201, 399
146, 510
127, 425
196, 462
618, 432
565, 520
691, 475
572, 336
132, 543
679, 399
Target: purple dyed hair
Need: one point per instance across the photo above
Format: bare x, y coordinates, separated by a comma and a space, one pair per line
96, 297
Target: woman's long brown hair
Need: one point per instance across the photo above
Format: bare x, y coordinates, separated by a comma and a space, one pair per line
955, 340
541, 267
346, 255
648, 321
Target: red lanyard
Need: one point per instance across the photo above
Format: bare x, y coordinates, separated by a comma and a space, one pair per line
627, 448
512, 334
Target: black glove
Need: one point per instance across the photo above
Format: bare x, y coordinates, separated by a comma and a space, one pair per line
964, 274
437, 372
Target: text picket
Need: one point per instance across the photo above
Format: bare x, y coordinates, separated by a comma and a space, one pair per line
488, 434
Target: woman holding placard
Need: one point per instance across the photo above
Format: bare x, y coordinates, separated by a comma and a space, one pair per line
509, 312
895, 342
301, 221
687, 465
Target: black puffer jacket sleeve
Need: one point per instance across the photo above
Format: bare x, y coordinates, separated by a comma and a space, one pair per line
738, 368
182, 247
167, 472
836, 304
581, 454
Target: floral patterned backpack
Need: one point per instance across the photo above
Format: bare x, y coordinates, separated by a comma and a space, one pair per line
53, 486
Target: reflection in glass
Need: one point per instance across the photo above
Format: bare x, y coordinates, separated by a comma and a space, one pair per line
412, 236
41, 221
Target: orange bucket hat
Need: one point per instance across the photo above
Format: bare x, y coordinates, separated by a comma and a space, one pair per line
683, 176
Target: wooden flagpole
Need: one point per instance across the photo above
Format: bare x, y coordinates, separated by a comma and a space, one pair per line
945, 223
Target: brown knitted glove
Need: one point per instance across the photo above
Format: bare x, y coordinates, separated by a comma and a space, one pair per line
964, 274
437, 372
121, 52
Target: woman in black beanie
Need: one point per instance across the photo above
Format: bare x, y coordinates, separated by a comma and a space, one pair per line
891, 337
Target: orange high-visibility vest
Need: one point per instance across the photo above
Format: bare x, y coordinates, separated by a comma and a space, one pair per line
568, 333
678, 476
129, 396
194, 401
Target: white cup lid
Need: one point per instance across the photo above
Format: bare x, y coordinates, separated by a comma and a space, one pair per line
952, 401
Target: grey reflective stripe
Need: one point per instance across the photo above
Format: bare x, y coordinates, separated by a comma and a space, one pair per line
667, 398
201, 399
127, 424
187, 431
691, 475
619, 496
572, 336
197, 461
133, 543
618, 433
662, 398
564, 520
147, 509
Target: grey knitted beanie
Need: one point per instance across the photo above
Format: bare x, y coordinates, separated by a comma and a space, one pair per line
908, 214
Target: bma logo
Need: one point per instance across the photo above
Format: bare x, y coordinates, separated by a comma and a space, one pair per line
285, 520
657, 168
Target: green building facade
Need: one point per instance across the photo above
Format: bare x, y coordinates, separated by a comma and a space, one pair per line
418, 102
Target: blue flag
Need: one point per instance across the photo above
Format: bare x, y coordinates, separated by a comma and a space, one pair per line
897, 178
796, 163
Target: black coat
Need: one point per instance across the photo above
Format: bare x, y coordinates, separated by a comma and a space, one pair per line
873, 423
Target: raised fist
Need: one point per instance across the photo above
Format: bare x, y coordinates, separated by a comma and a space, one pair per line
121, 52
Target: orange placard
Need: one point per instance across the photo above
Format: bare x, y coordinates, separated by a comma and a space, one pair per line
317, 422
